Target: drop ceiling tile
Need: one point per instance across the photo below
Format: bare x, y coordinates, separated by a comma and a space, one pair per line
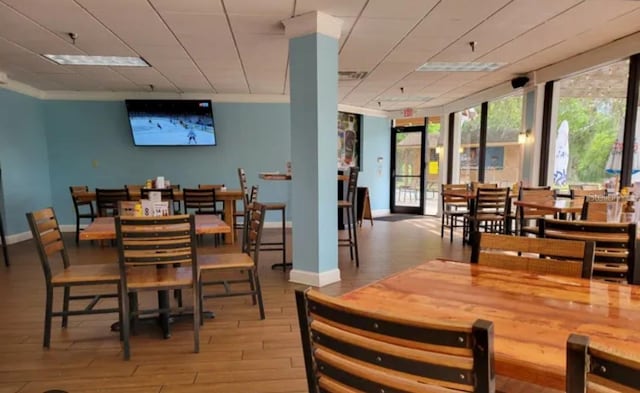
279, 8
256, 24
191, 6
336, 8
400, 9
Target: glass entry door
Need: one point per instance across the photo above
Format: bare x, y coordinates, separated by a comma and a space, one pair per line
407, 169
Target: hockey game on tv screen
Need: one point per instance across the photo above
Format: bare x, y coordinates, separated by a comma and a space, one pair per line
171, 123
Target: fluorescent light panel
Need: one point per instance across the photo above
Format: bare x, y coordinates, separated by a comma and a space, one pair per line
469, 66
111, 61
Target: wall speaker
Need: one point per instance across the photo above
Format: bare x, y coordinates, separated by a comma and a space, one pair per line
519, 81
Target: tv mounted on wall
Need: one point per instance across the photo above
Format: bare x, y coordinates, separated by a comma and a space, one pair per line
171, 122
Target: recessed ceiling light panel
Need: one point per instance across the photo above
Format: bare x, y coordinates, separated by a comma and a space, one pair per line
459, 66
110, 61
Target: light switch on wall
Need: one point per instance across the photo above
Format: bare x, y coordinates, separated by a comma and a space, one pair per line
94, 163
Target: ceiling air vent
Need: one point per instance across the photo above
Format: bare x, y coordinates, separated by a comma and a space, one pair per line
351, 75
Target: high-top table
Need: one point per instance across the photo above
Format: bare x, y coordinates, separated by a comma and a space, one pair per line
533, 315
229, 197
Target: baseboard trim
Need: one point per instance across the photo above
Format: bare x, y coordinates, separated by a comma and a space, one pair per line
380, 212
277, 224
313, 278
18, 237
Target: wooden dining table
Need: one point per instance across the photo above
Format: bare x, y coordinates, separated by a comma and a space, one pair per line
557, 206
104, 228
228, 196
532, 314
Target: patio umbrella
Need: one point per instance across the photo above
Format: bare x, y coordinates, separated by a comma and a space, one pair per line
614, 162
562, 155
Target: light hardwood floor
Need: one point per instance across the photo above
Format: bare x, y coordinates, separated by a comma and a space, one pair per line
239, 352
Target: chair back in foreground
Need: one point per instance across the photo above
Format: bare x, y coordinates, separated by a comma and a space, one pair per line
596, 368
246, 261
348, 349
46, 234
571, 258
107, 200
157, 254
615, 255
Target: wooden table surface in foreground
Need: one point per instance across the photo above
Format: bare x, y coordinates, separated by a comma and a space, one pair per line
104, 228
533, 315
228, 196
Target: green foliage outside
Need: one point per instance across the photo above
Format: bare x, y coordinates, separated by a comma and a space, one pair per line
594, 124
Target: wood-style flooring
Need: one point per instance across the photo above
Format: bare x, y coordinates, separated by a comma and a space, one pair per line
239, 352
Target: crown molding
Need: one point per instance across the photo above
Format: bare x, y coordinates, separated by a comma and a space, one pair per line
363, 111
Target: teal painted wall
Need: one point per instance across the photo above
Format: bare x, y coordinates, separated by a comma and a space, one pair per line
376, 142
46, 146
24, 166
252, 136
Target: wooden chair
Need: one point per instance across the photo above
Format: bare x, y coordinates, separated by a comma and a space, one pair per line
201, 201
351, 349
149, 248
490, 210
80, 205
107, 200
270, 206
615, 252
526, 214
577, 193
349, 204
537, 255
239, 262
595, 207
51, 249
454, 210
247, 200
596, 368
217, 187
3, 240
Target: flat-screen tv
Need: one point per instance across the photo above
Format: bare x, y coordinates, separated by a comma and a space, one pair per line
171, 122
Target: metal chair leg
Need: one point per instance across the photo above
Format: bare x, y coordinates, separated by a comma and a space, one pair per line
48, 309
65, 306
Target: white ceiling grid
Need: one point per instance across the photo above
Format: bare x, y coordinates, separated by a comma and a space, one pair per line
239, 47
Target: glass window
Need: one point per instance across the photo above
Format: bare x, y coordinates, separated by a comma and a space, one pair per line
589, 130
469, 144
432, 181
503, 159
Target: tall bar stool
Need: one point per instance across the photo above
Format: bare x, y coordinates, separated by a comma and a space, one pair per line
350, 205
269, 206
3, 240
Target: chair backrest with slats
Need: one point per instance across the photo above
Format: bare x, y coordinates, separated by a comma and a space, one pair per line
200, 201
252, 235
571, 258
154, 241
577, 193
595, 207
492, 200
352, 185
348, 348
46, 233
107, 200
543, 194
242, 177
615, 245
77, 202
449, 201
592, 367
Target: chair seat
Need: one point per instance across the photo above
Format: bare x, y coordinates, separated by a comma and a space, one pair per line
489, 217
225, 261
456, 213
168, 277
274, 205
88, 273
342, 203
532, 229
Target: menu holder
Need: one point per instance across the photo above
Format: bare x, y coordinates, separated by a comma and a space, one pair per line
154, 209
